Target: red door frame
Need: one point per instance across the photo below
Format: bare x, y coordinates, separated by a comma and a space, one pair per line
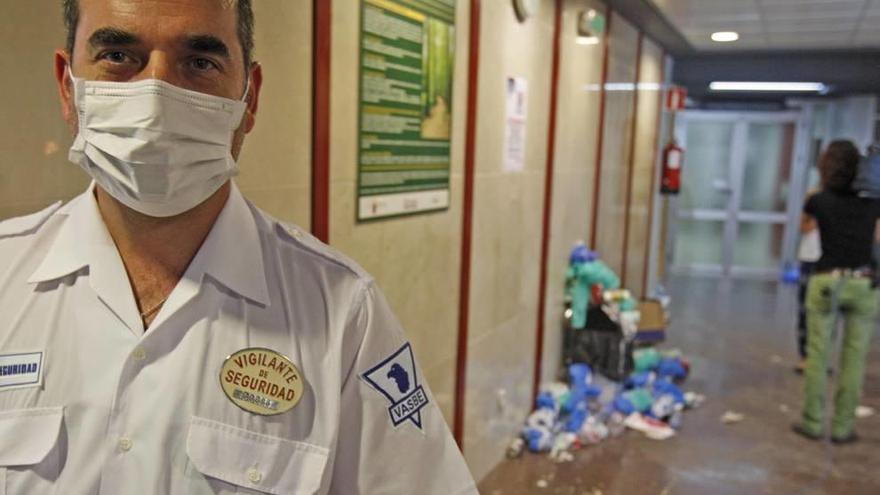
467, 225
322, 24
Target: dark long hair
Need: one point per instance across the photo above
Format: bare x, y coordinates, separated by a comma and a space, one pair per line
839, 165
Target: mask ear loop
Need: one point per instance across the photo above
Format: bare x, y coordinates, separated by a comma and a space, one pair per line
76, 92
70, 74
247, 88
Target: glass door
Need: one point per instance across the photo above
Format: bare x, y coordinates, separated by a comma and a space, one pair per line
763, 198
706, 198
735, 214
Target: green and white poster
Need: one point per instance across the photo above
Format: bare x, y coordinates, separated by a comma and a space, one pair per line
407, 58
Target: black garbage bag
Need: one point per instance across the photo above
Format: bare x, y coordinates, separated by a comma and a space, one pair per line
601, 345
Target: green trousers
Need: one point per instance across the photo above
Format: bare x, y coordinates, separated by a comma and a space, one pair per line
857, 304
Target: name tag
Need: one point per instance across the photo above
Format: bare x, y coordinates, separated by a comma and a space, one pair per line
20, 370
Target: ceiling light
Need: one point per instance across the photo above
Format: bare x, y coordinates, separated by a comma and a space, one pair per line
795, 87
587, 40
725, 36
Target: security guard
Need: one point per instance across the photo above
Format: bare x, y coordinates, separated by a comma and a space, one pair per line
160, 334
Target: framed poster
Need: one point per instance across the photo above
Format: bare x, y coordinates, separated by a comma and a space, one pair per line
405, 107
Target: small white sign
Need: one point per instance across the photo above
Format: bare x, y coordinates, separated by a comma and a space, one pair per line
515, 128
384, 205
19, 370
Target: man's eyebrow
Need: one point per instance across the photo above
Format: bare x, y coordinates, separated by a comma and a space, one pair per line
112, 36
207, 43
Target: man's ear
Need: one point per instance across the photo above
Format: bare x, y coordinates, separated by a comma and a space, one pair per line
253, 96
65, 86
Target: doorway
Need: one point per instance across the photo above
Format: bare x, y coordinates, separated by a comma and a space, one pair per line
737, 213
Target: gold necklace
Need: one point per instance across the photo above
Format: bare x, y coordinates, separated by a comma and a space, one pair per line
145, 314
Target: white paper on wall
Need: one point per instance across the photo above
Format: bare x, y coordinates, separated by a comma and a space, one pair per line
515, 125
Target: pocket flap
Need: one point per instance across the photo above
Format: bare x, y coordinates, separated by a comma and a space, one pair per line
253, 460
28, 435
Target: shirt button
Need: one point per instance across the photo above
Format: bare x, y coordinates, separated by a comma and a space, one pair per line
254, 476
125, 444
139, 354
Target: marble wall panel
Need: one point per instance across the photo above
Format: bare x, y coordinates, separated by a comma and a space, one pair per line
619, 104
644, 165
508, 209
577, 126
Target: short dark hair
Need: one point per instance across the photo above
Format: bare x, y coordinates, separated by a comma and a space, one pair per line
839, 165
245, 26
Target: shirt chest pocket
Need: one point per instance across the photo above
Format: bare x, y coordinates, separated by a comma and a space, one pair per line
31, 455
248, 462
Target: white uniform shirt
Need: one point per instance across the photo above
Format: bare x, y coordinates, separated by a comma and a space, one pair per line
90, 403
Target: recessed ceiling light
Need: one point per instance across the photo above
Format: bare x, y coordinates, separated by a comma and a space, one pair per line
587, 40
787, 87
725, 36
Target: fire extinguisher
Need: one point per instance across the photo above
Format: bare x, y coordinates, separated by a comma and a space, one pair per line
673, 159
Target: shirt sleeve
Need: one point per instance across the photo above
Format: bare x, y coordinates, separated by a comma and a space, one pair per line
393, 438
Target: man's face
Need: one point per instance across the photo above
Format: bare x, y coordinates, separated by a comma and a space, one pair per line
192, 44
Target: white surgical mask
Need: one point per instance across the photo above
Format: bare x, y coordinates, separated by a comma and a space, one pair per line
157, 148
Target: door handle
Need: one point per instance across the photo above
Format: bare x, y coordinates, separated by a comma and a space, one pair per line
722, 186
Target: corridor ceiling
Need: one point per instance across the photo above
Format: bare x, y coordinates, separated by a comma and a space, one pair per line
776, 25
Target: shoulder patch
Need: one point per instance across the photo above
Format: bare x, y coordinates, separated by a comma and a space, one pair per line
27, 224
396, 378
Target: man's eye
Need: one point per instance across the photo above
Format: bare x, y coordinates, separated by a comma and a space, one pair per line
203, 64
115, 57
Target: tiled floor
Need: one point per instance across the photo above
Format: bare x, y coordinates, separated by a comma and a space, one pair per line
739, 337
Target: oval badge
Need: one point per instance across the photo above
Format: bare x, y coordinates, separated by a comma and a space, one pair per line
261, 381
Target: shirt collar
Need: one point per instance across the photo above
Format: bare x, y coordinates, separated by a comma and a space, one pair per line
80, 239
232, 253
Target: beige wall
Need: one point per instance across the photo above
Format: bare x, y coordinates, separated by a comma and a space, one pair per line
616, 148
416, 259
577, 126
276, 160
34, 170
643, 165
507, 213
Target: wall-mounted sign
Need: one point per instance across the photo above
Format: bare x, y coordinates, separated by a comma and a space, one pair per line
407, 59
676, 96
515, 127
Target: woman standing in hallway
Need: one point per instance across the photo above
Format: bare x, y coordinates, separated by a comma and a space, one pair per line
841, 284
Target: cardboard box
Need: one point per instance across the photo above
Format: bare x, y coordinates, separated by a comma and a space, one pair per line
652, 325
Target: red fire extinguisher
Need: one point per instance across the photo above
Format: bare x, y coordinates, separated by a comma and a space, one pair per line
673, 159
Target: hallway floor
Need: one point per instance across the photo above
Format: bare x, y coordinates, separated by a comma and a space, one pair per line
740, 339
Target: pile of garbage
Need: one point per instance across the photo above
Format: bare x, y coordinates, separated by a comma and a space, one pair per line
585, 411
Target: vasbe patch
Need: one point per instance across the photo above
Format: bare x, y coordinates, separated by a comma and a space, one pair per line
397, 379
